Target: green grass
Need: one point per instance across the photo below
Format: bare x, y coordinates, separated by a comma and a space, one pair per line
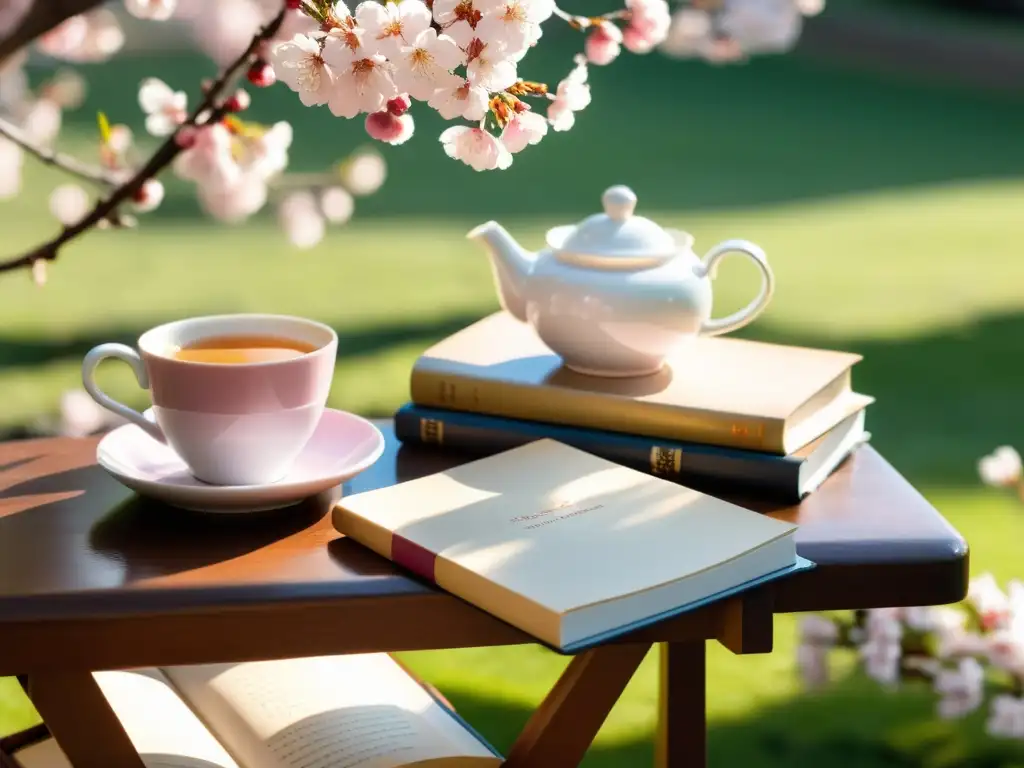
891, 213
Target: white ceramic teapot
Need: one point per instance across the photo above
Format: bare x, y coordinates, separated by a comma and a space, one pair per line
617, 294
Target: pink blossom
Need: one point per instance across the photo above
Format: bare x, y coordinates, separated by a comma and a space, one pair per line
762, 26
224, 28
364, 172
299, 65
489, 66
476, 148
392, 26
812, 661
689, 34
523, 130
389, 128
424, 65
459, 97
648, 24
362, 83
513, 24
265, 155
959, 689
571, 96
337, 205
210, 161
881, 658
66, 89
69, 204
149, 196
300, 218
65, 39
298, 23
155, 10
232, 203
603, 43
1006, 717
458, 18
41, 120
989, 601
10, 168
89, 37
165, 109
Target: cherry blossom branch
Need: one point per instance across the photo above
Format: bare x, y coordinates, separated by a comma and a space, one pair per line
41, 17
66, 163
163, 157
582, 22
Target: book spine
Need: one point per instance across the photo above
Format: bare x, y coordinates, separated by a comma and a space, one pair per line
700, 467
573, 407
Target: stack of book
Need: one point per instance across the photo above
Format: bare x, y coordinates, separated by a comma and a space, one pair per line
727, 415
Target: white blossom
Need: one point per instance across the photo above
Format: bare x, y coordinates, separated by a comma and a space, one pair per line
1006, 717
989, 601
1001, 468
689, 34
514, 24
155, 10
165, 108
390, 27
648, 26
476, 148
210, 161
300, 218
69, 204
266, 155
424, 66
149, 196
458, 18
881, 659
571, 96
459, 97
364, 173
884, 624
959, 689
41, 120
337, 205
762, 26
489, 66
818, 630
299, 65
362, 83
80, 415
524, 129
232, 203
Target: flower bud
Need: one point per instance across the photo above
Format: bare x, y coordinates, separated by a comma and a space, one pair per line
399, 105
261, 74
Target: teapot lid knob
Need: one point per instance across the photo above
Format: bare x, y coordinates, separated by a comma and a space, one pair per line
619, 202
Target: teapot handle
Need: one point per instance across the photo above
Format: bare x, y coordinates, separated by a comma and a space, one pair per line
709, 267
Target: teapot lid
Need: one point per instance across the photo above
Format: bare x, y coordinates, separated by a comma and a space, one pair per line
617, 234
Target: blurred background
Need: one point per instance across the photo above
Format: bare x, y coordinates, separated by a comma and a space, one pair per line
881, 166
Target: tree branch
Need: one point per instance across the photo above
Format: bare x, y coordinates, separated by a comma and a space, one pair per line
40, 18
67, 163
160, 159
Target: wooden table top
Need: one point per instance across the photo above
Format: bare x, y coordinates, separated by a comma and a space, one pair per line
77, 546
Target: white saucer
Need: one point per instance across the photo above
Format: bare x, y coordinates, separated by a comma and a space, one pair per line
342, 446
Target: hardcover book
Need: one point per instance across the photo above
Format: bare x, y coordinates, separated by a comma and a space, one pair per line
718, 391
707, 468
567, 546
357, 711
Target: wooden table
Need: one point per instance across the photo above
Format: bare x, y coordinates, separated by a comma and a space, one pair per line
95, 578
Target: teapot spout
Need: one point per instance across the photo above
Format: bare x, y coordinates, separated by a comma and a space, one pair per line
511, 265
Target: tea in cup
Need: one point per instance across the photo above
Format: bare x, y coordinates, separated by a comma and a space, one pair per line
237, 397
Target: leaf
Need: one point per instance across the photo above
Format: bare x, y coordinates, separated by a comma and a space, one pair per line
104, 124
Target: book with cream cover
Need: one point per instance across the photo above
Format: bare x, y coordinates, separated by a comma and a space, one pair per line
357, 711
718, 390
569, 547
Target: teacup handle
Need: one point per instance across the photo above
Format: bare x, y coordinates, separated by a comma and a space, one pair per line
130, 356
709, 267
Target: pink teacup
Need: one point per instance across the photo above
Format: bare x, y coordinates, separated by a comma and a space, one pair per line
232, 424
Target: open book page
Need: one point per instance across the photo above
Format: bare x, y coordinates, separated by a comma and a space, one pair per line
161, 727
357, 711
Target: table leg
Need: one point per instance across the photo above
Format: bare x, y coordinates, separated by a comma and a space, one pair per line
565, 724
682, 727
80, 719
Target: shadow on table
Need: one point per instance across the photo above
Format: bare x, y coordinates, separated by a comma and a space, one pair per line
853, 724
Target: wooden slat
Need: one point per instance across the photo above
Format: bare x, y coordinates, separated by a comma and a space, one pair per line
746, 622
81, 720
563, 727
682, 725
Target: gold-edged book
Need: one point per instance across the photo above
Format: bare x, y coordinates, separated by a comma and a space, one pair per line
729, 392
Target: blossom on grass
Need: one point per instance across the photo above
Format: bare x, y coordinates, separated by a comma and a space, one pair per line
364, 172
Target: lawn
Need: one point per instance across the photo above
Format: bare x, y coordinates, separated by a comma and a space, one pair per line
891, 211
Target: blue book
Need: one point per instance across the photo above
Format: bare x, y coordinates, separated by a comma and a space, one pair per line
703, 467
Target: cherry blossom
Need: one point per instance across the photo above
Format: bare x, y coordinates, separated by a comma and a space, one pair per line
524, 129
812, 662
959, 689
10, 168
690, 33
458, 18
460, 98
233, 202
266, 154
604, 43
298, 23
41, 119
1006, 717
489, 67
649, 25
155, 10
66, 89
149, 196
362, 83
390, 128
515, 24
224, 28
989, 601
209, 160
299, 65
300, 218
761, 26
364, 173
89, 37
391, 27
337, 205
424, 66
1001, 468
476, 148
165, 108
572, 96
69, 204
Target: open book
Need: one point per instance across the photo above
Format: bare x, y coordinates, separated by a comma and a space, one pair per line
358, 711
